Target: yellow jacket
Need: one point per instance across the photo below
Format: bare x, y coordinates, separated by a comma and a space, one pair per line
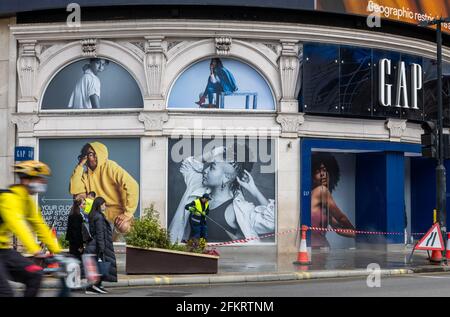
88, 205
18, 215
109, 181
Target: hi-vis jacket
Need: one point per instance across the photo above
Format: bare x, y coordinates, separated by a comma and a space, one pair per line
109, 181
18, 213
196, 208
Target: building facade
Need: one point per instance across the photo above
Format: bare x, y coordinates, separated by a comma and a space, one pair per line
277, 96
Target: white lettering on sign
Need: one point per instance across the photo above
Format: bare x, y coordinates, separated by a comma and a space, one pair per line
385, 90
402, 97
402, 87
56, 215
416, 84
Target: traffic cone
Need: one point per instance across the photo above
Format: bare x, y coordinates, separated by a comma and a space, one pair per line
302, 255
436, 256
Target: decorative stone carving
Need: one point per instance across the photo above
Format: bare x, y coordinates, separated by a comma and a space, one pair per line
290, 124
153, 121
140, 45
289, 67
223, 45
27, 66
89, 47
40, 49
397, 128
155, 64
172, 44
273, 47
25, 122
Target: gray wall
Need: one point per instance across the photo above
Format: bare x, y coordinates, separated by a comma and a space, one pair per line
118, 87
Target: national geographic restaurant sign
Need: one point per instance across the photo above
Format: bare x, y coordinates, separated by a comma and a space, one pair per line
410, 11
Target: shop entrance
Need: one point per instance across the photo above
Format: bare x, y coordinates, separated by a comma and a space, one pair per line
355, 185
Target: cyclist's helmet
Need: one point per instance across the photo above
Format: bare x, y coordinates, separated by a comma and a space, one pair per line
32, 169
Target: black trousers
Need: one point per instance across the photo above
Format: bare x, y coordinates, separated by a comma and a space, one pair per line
15, 267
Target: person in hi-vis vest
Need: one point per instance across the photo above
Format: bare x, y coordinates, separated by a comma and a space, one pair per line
199, 209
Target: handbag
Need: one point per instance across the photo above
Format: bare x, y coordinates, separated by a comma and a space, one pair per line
103, 267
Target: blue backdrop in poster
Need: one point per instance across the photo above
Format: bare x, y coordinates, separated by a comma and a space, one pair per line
193, 83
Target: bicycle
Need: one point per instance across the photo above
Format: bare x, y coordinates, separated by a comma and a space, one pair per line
67, 270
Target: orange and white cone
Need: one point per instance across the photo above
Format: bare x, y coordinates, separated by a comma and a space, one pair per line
302, 255
436, 256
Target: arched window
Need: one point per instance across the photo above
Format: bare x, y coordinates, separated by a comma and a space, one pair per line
92, 83
221, 83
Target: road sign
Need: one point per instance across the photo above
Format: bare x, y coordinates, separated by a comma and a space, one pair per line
432, 240
23, 153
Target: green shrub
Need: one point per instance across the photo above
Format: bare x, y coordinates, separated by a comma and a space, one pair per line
62, 241
146, 232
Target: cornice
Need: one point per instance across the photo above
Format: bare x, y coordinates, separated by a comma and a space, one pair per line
234, 29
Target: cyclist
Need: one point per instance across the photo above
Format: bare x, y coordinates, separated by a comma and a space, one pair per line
20, 216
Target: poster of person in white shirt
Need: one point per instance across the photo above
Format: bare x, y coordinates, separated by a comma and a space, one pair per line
91, 84
86, 94
238, 175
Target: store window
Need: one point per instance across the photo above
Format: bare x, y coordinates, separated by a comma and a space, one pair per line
321, 78
367, 82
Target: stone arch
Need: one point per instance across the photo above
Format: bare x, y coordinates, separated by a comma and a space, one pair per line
188, 53
62, 56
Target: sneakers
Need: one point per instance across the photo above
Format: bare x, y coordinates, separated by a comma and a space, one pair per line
93, 290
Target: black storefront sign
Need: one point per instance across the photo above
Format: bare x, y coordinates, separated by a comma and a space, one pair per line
347, 81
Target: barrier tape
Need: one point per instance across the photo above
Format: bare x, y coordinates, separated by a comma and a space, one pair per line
218, 244
252, 238
362, 232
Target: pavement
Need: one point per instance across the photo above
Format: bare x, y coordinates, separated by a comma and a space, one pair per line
245, 267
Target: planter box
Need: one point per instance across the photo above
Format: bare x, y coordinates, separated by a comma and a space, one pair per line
162, 261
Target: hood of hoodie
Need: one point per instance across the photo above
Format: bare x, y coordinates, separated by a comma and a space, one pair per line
101, 151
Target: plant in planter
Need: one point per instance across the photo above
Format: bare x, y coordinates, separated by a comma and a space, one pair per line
150, 251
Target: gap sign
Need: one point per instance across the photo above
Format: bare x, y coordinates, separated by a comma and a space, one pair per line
23, 153
385, 90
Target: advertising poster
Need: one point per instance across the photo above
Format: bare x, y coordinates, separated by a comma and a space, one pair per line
410, 11
108, 167
332, 199
221, 83
238, 174
92, 83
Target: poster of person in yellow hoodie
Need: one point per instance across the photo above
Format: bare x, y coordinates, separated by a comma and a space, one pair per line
96, 172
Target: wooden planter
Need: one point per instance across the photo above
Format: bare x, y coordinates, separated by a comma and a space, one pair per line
162, 261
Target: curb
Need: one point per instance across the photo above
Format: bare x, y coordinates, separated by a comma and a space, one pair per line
243, 278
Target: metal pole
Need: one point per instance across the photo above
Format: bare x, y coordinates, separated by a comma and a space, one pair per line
440, 169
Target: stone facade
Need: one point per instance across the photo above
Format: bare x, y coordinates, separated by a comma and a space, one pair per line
155, 62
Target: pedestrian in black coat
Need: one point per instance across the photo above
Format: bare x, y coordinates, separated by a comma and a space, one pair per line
74, 230
102, 243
